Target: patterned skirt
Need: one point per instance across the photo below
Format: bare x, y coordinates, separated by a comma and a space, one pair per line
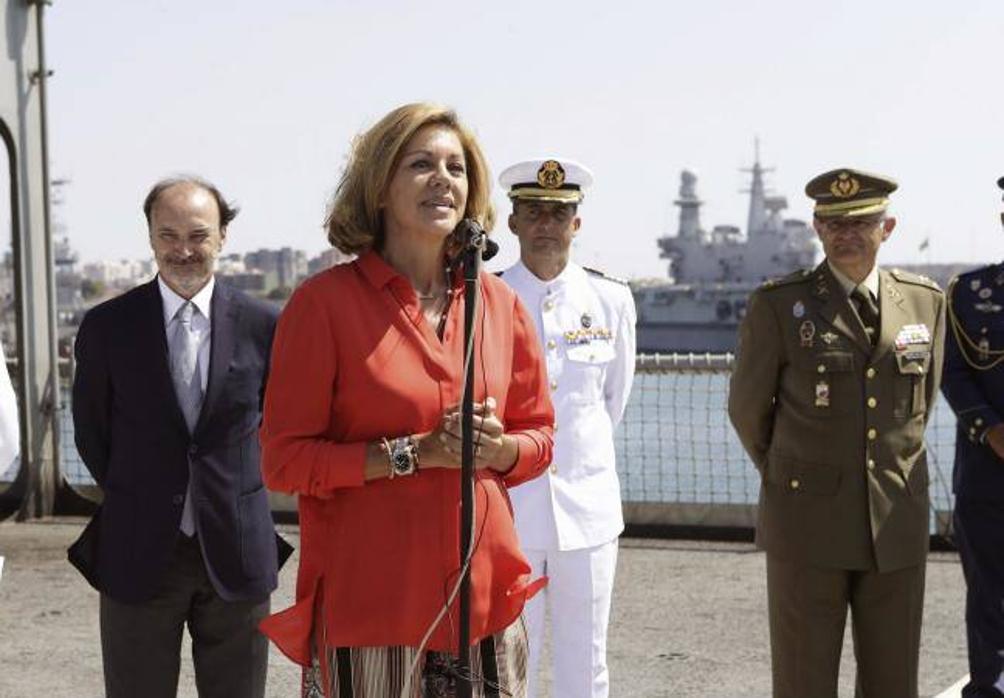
498, 669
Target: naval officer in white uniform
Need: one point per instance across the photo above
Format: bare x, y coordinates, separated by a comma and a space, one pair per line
569, 519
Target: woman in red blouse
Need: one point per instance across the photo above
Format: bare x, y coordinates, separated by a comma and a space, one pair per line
361, 421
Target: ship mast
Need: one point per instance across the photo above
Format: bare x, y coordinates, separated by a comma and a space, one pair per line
757, 218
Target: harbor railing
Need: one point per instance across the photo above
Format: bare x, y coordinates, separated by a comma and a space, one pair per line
682, 469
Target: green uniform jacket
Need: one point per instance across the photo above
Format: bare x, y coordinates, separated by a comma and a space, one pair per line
835, 427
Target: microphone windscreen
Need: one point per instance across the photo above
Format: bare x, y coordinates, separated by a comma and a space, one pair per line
469, 229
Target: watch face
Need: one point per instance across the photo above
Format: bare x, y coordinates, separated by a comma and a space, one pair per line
403, 463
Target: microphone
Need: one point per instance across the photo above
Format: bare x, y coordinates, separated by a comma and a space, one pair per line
470, 232
491, 249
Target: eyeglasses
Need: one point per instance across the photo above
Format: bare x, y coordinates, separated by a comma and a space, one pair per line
850, 225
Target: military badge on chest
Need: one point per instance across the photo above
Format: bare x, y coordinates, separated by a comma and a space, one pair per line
913, 341
983, 348
986, 303
806, 333
829, 338
822, 394
977, 332
587, 333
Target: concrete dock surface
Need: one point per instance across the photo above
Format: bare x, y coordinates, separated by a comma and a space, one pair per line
689, 619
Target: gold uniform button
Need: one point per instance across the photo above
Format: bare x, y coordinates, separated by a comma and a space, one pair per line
872, 434
872, 402
870, 373
554, 385
551, 344
554, 468
821, 368
979, 422
548, 305
972, 431
795, 484
871, 464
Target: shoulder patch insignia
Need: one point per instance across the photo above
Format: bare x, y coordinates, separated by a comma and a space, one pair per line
907, 277
794, 277
981, 275
603, 275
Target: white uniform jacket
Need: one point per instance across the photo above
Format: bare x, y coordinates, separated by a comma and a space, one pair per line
586, 323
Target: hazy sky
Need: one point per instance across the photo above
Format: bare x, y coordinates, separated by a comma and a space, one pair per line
264, 97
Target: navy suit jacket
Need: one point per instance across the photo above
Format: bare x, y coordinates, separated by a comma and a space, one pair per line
976, 393
131, 434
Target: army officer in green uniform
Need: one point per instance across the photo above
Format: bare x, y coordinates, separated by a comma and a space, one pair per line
836, 374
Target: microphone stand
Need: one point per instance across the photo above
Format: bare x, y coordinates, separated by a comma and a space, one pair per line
473, 238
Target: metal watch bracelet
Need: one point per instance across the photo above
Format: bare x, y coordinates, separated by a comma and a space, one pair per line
402, 456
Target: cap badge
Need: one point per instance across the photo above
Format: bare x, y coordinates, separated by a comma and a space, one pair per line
798, 310
551, 175
587, 320
845, 186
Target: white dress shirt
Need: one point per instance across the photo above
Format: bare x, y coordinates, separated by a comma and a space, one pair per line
871, 281
201, 321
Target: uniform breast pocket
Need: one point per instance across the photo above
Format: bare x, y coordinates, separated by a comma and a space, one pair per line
912, 367
826, 381
585, 366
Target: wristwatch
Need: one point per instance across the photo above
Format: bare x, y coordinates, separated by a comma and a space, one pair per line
402, 453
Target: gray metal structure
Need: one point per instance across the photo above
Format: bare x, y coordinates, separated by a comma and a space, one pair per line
711, 273
23, 76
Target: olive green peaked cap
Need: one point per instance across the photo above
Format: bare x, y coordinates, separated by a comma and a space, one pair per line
849, 192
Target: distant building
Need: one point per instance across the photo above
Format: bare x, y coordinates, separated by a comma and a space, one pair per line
231, 264
119, 273
328, 259
288, 264
257, 283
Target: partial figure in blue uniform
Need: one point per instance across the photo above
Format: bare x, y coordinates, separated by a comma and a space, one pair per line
974, 386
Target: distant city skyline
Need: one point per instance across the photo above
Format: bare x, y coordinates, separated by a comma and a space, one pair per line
264, 100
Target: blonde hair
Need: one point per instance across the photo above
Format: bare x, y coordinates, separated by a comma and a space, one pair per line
355, 219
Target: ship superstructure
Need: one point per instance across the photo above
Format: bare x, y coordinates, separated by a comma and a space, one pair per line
711, 273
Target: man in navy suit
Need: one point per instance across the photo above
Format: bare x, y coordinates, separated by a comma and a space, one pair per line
166, 407
974, 387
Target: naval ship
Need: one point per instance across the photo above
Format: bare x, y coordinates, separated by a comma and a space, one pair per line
711, 274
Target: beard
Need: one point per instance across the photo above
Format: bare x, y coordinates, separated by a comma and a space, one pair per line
188, 275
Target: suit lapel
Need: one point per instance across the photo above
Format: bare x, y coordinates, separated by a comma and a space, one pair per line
891, 313
836, 309
153, 320
222, 332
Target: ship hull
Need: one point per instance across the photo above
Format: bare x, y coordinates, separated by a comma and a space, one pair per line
670, 337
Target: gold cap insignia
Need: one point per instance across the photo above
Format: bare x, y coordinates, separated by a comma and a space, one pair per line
844, 186
551, 175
